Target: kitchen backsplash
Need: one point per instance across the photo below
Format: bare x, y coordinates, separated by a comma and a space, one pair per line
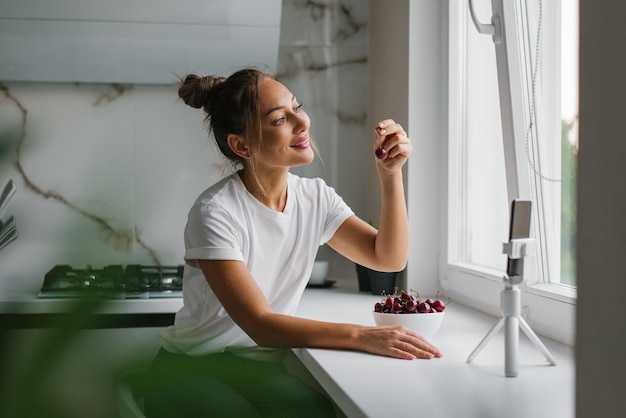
105, 174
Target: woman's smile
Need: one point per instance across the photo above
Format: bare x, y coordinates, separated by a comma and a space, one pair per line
302, 143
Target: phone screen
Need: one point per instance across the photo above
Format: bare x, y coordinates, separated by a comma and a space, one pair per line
519, 228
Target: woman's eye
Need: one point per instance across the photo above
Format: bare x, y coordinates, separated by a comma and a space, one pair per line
282, 119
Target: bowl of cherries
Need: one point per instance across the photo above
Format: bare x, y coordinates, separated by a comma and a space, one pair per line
423, 316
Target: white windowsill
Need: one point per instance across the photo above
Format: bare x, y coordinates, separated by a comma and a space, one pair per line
550, 309
561, 293
365, 385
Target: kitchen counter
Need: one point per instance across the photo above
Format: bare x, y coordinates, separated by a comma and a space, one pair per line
365, 385
28, 311
31, 304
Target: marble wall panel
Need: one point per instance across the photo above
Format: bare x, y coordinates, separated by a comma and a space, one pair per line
107, 173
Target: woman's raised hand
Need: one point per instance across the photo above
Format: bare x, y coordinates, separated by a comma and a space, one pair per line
392, 146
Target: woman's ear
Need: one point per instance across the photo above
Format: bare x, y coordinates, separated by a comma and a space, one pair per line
238, 145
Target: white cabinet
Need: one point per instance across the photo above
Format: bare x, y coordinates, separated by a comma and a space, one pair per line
134, 41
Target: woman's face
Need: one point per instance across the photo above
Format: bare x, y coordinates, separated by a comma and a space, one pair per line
285, 128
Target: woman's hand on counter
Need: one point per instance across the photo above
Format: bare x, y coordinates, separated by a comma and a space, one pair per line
396, 341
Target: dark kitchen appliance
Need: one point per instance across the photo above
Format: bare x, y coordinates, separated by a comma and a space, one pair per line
113, 282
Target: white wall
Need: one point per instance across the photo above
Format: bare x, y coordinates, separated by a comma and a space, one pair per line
601, 341
407, 71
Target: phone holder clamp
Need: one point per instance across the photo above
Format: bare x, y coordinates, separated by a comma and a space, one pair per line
519, 247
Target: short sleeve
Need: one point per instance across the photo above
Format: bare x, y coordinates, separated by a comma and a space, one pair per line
211, 234
338, 211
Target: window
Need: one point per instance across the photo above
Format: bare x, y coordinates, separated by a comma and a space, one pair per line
535, 157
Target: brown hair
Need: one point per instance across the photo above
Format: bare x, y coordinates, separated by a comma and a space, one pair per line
231, 106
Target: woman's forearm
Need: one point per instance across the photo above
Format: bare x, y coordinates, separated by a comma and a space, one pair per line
276, 330
392, 241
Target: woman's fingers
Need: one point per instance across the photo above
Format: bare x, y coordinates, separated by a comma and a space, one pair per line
391, 140
420, 347
399, 342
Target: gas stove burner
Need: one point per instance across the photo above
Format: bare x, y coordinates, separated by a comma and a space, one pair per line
161, 279
113, 282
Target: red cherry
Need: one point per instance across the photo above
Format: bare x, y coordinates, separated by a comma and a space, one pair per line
411, 306
439, 305
396, 308
423, 307
380, 153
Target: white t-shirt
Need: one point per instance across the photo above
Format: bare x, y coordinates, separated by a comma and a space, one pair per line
227, 223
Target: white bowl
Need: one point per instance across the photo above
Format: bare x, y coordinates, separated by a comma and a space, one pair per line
425, 324
319, 272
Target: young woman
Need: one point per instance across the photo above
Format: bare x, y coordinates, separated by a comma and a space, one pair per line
251, 240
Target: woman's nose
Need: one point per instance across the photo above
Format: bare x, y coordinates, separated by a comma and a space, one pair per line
302, 121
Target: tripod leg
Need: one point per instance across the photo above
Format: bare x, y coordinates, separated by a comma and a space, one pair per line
533, 337
485, 340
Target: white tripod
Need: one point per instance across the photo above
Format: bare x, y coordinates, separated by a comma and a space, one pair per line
511, 308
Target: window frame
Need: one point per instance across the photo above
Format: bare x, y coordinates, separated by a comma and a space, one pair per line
549, 308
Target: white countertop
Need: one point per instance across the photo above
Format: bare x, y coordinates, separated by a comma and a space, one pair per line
365, 385
30, 304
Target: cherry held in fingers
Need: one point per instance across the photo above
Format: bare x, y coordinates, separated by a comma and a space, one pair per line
380, 153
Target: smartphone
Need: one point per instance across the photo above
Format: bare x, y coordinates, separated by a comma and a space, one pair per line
519, 227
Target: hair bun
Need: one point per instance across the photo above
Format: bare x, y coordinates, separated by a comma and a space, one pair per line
196, 90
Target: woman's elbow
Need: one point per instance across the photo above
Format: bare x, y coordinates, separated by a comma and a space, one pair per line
261, 332
390, 266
